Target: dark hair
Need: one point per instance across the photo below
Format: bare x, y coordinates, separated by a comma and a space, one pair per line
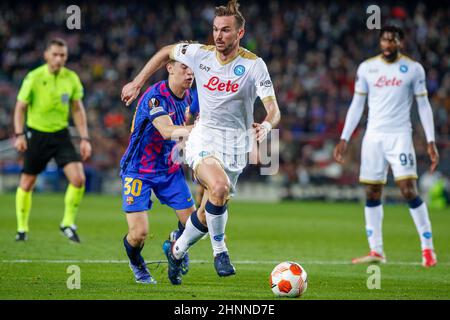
392, 29
56, 42
232, 9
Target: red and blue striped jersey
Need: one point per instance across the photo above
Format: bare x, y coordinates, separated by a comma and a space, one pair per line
148, 153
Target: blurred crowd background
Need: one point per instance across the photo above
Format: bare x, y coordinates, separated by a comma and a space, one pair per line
312, 49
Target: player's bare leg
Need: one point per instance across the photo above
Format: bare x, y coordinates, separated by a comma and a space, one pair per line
373, 212
134, 242
211, 174
23, 204
419, 213
74, 194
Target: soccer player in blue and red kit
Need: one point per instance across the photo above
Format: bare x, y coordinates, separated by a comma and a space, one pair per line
150, 161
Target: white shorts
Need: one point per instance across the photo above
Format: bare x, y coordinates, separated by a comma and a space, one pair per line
381, 150
200, 145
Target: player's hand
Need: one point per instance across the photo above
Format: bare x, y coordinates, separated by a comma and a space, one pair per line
130, 92
434, 156
85, 150
339, 151
21, 143
261, 131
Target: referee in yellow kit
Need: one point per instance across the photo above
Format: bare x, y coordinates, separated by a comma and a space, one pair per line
47, 95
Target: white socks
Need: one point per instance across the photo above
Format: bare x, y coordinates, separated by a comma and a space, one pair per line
216, 218
419, 213
193, 231
373, 212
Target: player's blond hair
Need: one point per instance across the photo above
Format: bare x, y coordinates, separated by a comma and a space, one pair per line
231, 9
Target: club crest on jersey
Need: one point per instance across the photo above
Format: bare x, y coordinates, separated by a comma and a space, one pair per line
130, 200
403, 68
239, 70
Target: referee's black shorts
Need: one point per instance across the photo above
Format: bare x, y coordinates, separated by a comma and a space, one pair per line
43, 146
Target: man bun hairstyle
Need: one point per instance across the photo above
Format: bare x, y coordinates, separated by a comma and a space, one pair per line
231, 9
398, 32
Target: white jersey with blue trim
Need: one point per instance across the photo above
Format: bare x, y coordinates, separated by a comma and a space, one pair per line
390, 88
227, 91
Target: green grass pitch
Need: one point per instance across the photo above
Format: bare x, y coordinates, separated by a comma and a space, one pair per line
323, 237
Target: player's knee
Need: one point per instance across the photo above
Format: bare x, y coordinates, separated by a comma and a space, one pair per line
201, 216
408, 192
373, 193
27, 183
138, 235
78, 181
219, 191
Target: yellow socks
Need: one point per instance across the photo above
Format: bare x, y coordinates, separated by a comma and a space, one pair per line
23, 208
72, 202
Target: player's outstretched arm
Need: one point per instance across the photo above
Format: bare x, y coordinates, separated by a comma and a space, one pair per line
351, 121
426, 118
80, 120
271, 121
19, 119
168, 130
131, 90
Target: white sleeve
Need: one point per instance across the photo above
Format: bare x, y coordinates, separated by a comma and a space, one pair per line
361, 86
185, 53
426, 116
419, 83
354, 114
263, 83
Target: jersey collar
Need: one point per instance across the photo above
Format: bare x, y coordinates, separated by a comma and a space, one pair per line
231, 59
173, 94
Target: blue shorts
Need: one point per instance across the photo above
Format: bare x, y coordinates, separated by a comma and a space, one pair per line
171, 190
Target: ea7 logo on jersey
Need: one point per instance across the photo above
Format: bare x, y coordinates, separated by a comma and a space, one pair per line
203, 67
215, 84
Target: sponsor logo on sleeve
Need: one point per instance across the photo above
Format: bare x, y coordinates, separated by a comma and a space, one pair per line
184, 48
156, 110
266, 83
65, 98
153, 103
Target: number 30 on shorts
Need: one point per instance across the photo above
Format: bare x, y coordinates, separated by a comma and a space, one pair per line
133, 186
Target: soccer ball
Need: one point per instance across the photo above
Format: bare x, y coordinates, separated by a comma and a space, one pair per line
288, 279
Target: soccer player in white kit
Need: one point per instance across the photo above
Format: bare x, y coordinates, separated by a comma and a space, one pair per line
390, 81
229, 79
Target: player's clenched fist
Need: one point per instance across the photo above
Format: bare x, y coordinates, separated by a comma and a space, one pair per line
20, 144
130, 92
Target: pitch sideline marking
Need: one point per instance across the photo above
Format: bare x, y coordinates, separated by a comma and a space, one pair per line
250, 262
